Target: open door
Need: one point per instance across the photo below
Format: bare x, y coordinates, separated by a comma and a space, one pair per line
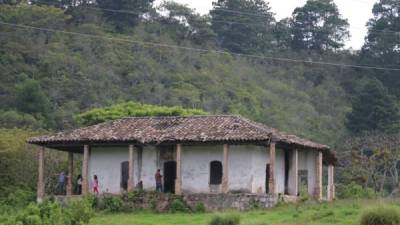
169, 176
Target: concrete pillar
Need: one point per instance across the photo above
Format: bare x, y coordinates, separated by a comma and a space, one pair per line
178, 181
40, 183
318, 177
331, 183
85, 170
70, 173
272, 156
293, 175
225, 171
131, 181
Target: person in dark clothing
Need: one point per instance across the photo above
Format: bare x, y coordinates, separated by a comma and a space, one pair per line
78, 190
158, 178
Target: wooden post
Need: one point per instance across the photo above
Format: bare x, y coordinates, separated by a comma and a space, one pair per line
331, 184
131, 181
70, 173
40, 183
178, 181
272, 189
85, 170
294, 179
318, 177
225, 172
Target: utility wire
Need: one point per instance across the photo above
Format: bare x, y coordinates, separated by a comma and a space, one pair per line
214, 20
154, 44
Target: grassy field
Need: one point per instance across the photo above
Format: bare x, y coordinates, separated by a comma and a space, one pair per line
340, 212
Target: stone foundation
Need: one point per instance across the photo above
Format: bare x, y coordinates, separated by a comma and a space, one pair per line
214, 202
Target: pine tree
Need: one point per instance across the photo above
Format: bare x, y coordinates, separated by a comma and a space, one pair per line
374, 109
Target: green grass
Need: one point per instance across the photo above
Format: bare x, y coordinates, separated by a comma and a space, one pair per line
340, 212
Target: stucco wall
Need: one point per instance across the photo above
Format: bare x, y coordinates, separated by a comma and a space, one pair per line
105, 162
247, 166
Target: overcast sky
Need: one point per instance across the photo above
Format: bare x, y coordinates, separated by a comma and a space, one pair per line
356, 11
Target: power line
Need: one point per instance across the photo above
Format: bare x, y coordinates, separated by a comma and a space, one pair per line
219, 21
154, 44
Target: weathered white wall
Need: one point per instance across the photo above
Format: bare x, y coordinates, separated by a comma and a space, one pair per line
311, 160
105, 162
247, 167
150, 164
195, 165
280, 171
307, 161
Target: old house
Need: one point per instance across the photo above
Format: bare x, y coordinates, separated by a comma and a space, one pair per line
196, 154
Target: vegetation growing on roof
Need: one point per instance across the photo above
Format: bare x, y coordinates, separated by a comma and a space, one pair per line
133, 109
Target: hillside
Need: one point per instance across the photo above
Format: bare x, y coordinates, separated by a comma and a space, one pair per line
70, 74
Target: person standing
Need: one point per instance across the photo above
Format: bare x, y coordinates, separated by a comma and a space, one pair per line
95, 185
158, 178
60, 184
79, 185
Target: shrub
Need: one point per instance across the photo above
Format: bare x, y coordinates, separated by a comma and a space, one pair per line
20, 198
112, 203
199, 207
225, 220
178, 206
80, 212
380, 216
354, 190
91, 199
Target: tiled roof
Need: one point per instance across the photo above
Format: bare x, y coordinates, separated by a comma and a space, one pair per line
147, 130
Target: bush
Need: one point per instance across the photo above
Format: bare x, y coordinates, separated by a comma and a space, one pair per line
20, 198
199, 207
354, 190
178, 206
381, 216
225, 220
112, 203
80, 212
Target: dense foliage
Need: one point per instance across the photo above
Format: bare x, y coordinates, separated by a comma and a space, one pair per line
381, 216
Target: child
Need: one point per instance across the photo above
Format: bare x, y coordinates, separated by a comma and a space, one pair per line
95, 185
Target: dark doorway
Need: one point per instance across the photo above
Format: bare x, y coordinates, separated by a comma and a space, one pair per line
124, 175
215, 172
169, 176
287, 167
267, 179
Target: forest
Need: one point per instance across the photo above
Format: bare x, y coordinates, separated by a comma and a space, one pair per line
69, 63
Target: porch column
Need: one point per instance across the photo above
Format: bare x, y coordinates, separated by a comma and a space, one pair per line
85, 170
40, 183
131, 181
272, 189
318, 177
70, 173
331, 183
225, 172
294, 176
178, 181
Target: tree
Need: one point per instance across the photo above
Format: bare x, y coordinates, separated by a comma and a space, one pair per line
243, 26
124, 13
185, 24
31, 99
318, 26
374, 109
371, 159
382, 42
